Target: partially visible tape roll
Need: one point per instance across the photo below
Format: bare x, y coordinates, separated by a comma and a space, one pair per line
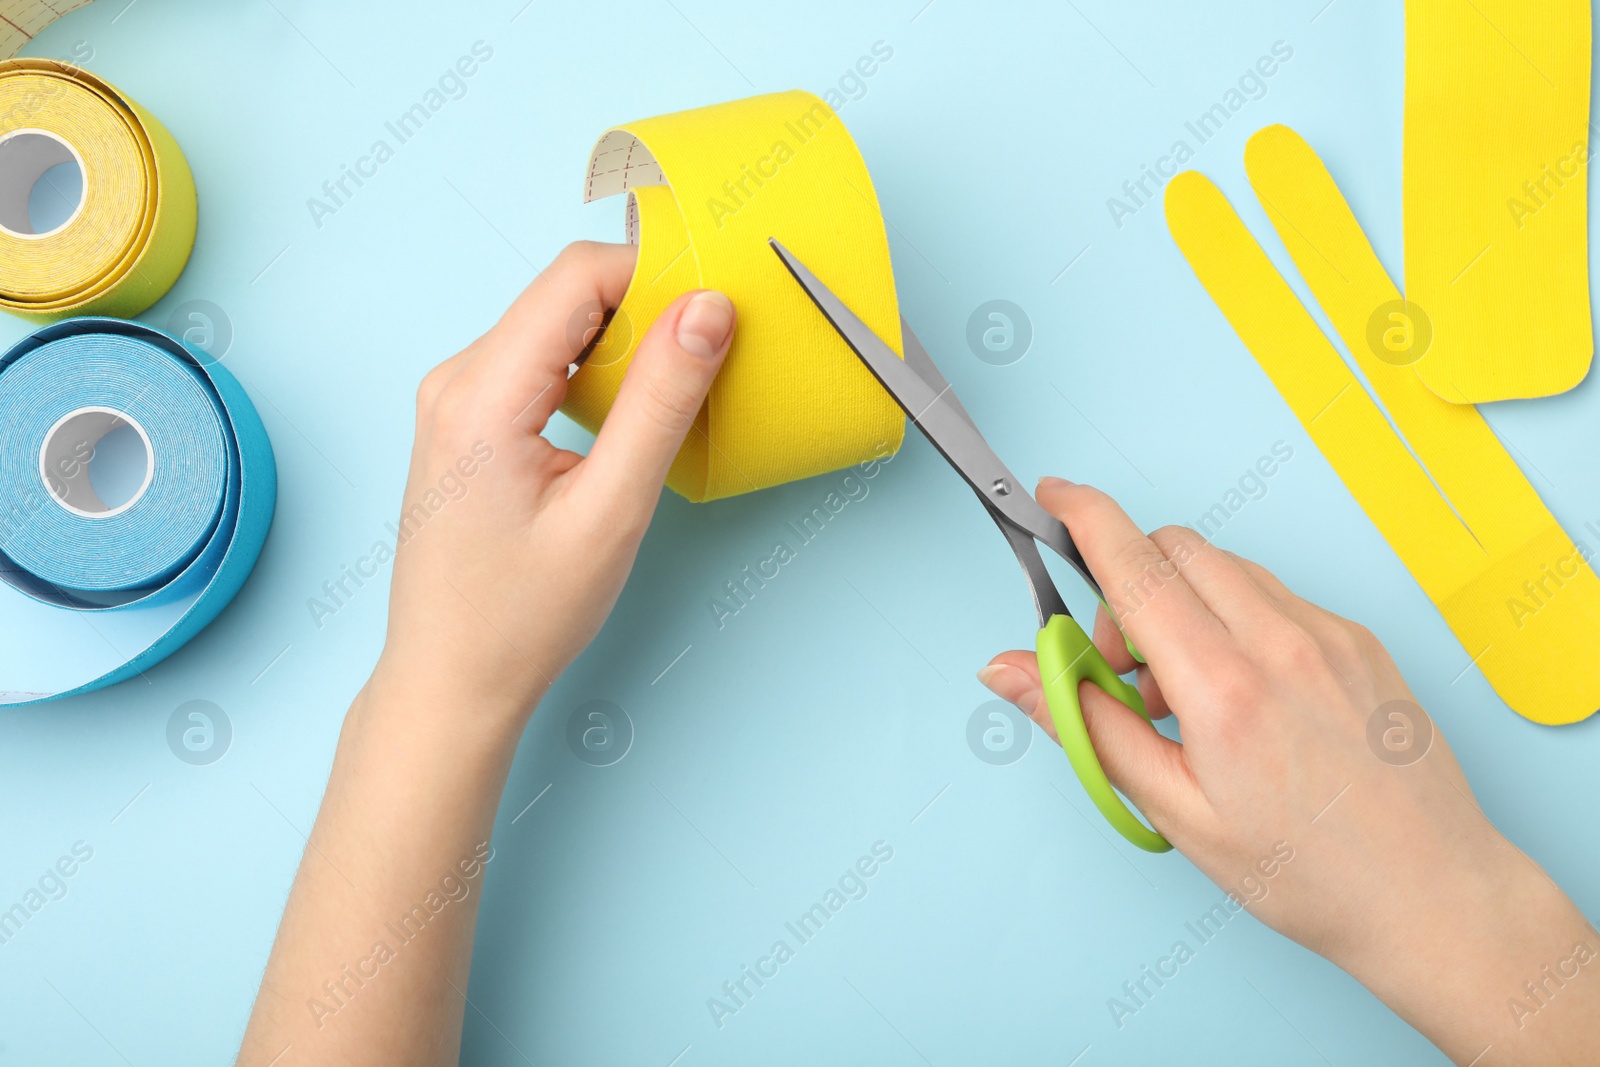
128, 239
102, 590
22, 20
706, 189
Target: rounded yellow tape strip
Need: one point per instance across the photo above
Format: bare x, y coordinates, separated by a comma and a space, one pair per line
706, 189
131, 234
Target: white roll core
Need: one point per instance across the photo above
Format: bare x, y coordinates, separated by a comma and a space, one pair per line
67, 451
25, 156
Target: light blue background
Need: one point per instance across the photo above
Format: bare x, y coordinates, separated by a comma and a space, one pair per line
779, 748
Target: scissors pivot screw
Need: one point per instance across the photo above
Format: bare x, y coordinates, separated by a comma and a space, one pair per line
1001, 487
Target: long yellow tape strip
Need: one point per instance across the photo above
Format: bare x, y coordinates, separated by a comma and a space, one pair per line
1496, 194
707, 188
132, 232
1514, 588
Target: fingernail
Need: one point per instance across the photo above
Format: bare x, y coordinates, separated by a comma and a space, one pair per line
705, 323
1011, 685
1052, 482
1004, 680
987, 675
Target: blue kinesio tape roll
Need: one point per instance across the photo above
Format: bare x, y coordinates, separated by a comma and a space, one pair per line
101, 590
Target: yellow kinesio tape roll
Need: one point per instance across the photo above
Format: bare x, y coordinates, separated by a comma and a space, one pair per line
130, 235
1496, 194
706, 189
1517, 592
21, 20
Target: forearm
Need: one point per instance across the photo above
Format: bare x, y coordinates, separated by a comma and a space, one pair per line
371, 961
1399, 878
1496, 969
524, 550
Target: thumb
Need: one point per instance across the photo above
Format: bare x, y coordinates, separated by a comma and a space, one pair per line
1147, 767
661, 394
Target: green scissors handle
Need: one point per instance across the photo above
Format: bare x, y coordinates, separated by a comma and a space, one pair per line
1066, 658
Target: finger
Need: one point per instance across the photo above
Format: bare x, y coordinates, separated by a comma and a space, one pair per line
1145, 590
1114, 647
1332, 635
1281, 596
1146, 766
1107, 638
523, 372
1014, 677
1111, 642
661, 393
1155, 701
1218, 580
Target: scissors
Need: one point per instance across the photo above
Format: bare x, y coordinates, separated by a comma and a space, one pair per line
1066, 654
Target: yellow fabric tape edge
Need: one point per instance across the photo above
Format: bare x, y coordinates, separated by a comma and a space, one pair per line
1489, 572
163, 230
708, 188
1496, 194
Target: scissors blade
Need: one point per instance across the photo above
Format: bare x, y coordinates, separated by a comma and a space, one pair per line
1046, 597
917, 359
930, 403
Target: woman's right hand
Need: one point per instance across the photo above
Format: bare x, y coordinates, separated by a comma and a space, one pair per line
1312, 787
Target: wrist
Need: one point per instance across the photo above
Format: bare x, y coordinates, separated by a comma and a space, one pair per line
1487, 955
418, 697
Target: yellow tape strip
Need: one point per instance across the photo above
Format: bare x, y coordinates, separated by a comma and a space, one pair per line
1516, 591
1496, 194
707, 188
132, 233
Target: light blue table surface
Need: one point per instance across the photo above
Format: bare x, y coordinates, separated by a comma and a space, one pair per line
831, 712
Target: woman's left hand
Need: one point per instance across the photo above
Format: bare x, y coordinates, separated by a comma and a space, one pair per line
513, 551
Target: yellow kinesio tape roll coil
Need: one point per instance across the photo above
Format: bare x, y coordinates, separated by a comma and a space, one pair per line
1517, 592
1496, 194
131, 234
706, 189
